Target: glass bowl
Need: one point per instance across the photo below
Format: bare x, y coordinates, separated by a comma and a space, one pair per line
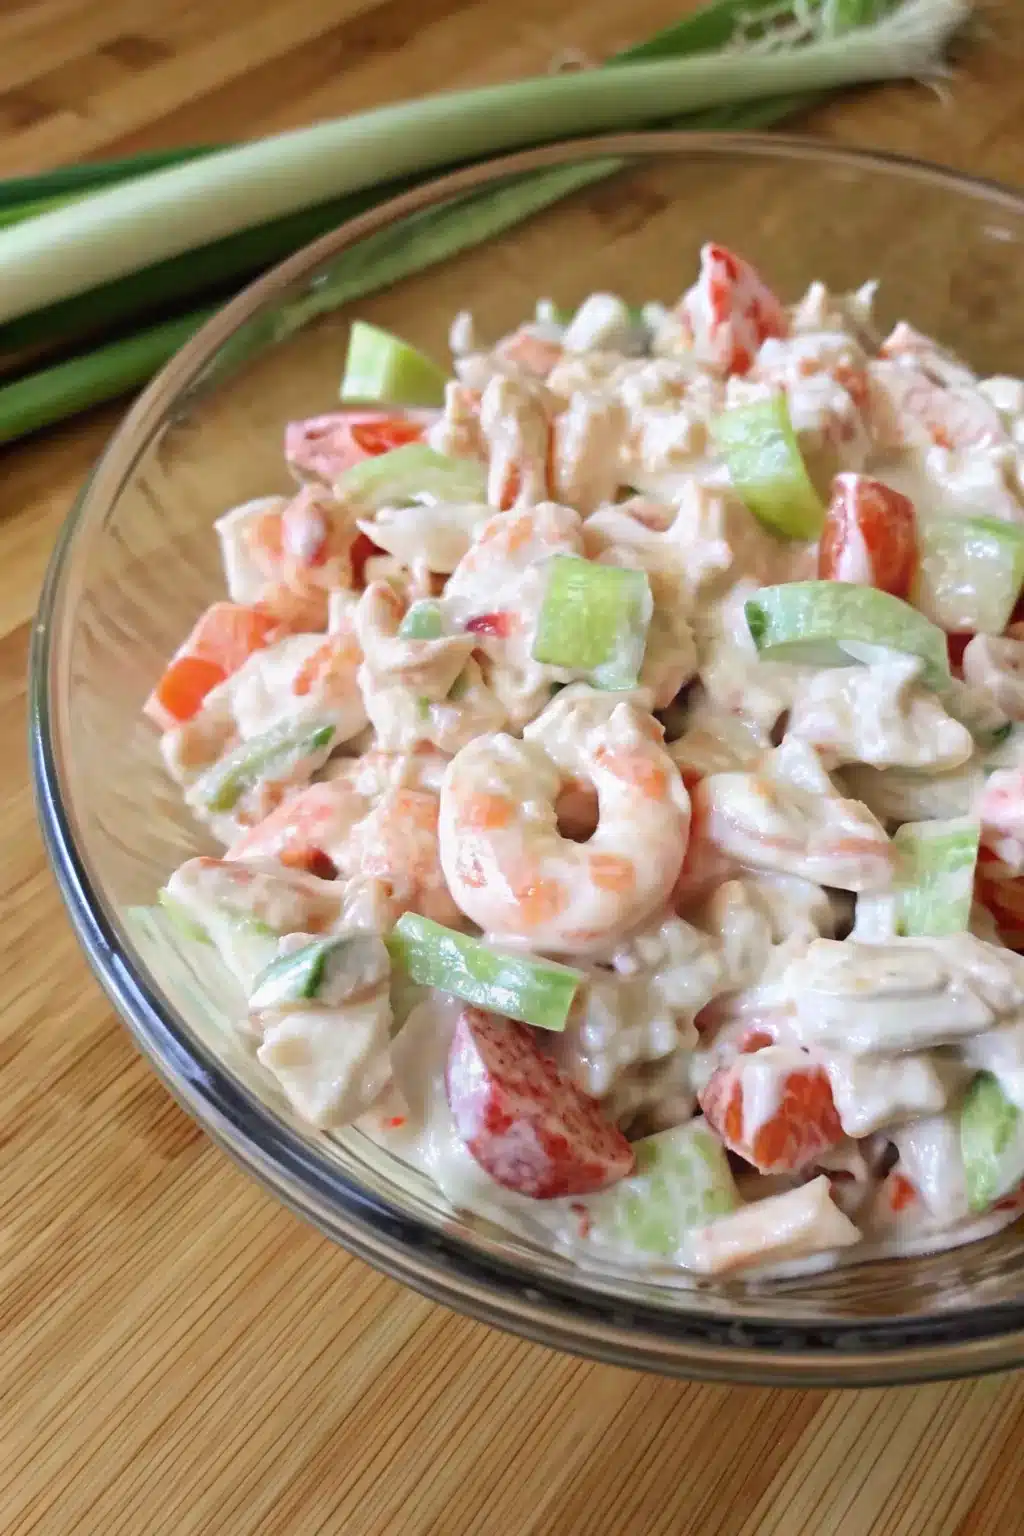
137, 561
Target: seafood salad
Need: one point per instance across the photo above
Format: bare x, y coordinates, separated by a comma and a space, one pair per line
615, 753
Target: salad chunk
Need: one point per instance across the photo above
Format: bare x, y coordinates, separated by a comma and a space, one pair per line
616, 744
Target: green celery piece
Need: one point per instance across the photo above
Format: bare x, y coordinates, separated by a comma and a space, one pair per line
767, 468
969, 574
331, 972
82, 178
182, 919
594, 620
223, 785
835, 623
935, 886
682, 1180
992, 1143
409, 472
517, 986
423, 621
381, 368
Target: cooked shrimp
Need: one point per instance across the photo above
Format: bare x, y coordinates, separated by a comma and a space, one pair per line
307, 831
397, 844
374, 821
504, 549
508, 867
287, 555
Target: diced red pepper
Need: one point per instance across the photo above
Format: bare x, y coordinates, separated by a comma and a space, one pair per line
869, 528
499, 624
522, 1119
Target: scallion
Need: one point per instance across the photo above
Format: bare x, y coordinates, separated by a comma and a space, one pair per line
112, 231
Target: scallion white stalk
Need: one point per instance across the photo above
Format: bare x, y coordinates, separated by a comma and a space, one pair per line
119, 230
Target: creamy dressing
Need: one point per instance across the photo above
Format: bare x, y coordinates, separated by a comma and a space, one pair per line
696, 847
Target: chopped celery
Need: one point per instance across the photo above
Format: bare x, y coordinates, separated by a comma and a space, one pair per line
381, 367
424, 621
182, 918
594, 620
682, 1180
413, 472
935, 885
244, 943
516, 986
992, 1143
834, 623
330, 971
970, 574
270, 755
767, 468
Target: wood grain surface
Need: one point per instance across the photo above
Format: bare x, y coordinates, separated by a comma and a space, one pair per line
179, 1354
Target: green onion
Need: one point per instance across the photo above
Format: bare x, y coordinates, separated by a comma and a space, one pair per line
18, 212
116, 229
213, 270
54, 393
77, 180
891, 36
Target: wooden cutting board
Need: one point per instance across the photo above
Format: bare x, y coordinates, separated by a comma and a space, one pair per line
177, 1353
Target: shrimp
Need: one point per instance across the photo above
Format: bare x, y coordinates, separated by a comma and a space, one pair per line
908, 409
397, 845
286, 555
305, 831
374, 822
507, 865
503, 550
495, 593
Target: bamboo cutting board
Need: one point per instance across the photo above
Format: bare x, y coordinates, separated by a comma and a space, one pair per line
177, 1353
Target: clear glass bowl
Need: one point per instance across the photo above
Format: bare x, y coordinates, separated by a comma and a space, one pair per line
137, 561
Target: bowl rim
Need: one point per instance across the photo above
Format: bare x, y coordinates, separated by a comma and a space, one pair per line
442, 1264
